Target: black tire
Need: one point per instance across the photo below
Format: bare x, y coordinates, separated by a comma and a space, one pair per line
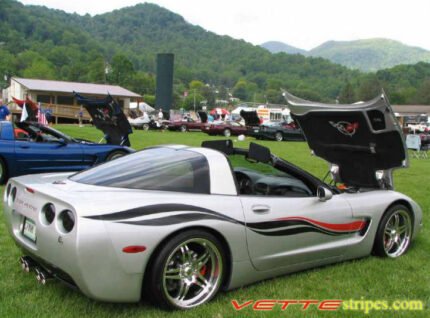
3, 171
115, 155
393, 240
172, 258
278, 136
145, 127
227, 132
183, 128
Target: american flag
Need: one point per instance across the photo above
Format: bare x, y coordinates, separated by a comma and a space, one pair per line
41, 118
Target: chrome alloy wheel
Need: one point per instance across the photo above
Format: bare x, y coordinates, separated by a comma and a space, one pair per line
193, 273
397, 233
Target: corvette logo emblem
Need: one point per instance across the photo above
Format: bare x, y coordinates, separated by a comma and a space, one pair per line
345, 127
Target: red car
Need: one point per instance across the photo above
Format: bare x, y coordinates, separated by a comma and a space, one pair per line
227, 128
188, 124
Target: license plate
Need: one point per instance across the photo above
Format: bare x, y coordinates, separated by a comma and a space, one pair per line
256, 130
29, 229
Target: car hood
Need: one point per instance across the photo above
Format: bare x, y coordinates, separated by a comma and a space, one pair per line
250, 117
363, 141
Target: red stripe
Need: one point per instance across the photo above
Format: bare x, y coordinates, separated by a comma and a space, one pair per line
353, 226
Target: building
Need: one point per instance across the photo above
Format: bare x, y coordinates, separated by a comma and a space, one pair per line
411, 113
58, 95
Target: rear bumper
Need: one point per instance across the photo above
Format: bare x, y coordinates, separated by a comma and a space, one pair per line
84, 258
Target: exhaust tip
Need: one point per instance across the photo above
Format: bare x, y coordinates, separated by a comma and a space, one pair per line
26, 263
41, 276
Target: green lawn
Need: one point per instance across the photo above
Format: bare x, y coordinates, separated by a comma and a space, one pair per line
370, 278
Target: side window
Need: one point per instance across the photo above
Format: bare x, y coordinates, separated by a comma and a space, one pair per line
263, 179
160, 169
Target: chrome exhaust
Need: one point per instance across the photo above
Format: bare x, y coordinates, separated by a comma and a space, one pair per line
26, 263
42, 276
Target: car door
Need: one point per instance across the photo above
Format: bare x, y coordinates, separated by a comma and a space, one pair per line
35, 157
285, 231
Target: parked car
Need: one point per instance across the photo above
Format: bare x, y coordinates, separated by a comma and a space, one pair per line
188, 123
277, 131
146, 123
226, 128
179, 224
31, 147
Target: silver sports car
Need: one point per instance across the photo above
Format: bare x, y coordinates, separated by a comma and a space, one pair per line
178, 224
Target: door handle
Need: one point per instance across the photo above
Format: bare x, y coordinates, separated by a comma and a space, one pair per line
261, 208
24, 147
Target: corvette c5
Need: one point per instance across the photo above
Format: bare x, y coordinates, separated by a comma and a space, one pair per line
178, 224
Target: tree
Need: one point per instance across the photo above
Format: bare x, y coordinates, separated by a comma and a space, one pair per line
122, 70
347, 94
369, 88
423, 93
40, 69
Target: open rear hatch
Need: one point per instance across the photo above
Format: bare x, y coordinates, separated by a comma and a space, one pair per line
250, 117
363, 140
107, 116
203, 116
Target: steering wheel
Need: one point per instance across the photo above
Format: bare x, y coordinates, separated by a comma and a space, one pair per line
245, 184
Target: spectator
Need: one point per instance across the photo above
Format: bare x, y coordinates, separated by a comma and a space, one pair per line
160, 115
4, 111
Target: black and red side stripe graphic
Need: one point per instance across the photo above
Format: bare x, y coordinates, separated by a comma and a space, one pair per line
277, 227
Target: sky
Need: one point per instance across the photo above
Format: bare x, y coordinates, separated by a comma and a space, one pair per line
301, 23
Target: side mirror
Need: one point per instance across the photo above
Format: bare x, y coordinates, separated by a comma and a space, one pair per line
324, 194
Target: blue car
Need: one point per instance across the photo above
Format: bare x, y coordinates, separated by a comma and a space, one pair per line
29, 147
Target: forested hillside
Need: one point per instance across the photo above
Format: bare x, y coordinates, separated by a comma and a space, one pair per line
120, 48
370, 54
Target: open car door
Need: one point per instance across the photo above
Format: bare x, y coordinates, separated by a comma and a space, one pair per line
363, 141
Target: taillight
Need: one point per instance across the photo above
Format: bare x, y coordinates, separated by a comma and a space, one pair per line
12, 195
48, 213
66, 221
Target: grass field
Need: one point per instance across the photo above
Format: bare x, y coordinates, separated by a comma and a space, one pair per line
371, 278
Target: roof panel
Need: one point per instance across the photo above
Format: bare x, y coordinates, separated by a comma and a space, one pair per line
70, 87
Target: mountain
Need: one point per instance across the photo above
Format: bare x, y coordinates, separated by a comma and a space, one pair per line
371, 54
277, 47
45, 43
120, 47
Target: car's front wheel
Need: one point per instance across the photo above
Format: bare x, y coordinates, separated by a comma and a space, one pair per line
227, 133
145, 127
278, 136
394, 232
183, 128
188, 271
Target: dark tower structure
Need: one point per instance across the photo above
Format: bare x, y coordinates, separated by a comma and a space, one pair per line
164, 88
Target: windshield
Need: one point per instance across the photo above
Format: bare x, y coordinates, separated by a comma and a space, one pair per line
163, 169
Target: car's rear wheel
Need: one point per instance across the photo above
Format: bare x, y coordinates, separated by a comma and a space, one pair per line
188, 271
183, 128
115, 155
145, 127
3, 171
394, 232
278, 136
227, 132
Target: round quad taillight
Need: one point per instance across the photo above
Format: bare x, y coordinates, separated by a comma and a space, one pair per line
66, 221
12, 195
9, 186
48, 213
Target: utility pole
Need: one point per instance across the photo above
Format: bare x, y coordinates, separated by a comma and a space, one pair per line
194, 98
